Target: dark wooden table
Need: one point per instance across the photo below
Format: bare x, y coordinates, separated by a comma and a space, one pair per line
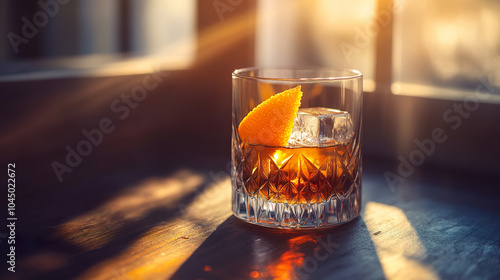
144, 224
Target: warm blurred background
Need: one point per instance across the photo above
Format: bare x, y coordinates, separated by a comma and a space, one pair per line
158, 73
63, 64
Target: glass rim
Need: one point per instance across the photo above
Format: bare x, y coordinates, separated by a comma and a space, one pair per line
243, 73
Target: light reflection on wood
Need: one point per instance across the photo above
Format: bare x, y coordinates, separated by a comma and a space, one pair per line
94, 229
182, 229
398, 245
293, 258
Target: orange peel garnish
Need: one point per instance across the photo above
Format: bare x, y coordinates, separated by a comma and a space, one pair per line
271, 122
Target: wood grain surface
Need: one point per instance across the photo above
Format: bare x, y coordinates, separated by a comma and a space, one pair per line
179, 226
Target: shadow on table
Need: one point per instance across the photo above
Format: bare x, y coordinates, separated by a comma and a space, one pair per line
239, 250
457, 227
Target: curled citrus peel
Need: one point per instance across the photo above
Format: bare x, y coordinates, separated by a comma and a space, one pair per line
271, 122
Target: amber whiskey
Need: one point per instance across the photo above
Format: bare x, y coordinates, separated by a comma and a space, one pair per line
298, 175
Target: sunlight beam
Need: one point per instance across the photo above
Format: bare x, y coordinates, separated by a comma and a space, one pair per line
161, 250
398, 245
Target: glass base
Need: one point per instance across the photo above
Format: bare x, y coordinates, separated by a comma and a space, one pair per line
337, 210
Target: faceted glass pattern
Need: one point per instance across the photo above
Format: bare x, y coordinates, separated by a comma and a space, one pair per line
296, 175
297, 187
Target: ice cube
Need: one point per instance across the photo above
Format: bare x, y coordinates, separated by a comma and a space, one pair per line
320, 127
